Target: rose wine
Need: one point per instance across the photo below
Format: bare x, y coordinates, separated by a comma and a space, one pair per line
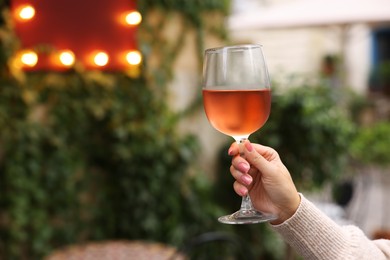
237, 112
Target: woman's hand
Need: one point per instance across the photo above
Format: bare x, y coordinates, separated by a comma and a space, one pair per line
268, 181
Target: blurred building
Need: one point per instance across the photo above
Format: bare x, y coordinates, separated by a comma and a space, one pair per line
299, 35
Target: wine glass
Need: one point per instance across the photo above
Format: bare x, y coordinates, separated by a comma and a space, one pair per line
237, 101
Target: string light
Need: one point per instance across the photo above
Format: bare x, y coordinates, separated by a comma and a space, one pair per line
29, 58
26, 12
133, 18
67, 58
101, 59
134, 57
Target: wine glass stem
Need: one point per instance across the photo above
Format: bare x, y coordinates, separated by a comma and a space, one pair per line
246, 202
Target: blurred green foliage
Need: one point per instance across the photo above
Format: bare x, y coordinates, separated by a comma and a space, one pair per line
192, 9
87, 155
311, 131
371, 145
84, 161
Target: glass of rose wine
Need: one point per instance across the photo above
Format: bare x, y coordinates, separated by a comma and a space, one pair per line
237, 101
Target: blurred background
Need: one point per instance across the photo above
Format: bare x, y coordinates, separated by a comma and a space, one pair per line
103, 138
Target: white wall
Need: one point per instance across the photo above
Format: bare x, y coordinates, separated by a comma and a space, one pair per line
300, 51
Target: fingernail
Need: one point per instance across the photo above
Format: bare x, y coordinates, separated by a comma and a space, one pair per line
243, 191
230, 151
246, 179
243, 167
249, 146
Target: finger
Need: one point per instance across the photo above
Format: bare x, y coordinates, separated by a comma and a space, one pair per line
233, 149
240, 164
240, 189
255, 158
267, 152
243, 178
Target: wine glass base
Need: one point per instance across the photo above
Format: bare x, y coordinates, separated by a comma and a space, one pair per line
251, 216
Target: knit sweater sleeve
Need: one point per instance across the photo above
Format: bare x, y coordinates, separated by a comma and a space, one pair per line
315, 236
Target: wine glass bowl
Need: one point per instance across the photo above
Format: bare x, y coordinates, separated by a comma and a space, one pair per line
237, 101
237, 113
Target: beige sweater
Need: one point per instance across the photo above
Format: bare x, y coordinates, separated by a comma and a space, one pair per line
315, 236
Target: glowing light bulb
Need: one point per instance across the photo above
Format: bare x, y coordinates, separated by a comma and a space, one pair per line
133, 18
29, 58
134, 57
26, 12
67, 58
101, 59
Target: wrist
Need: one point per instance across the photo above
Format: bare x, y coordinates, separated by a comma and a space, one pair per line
287, 212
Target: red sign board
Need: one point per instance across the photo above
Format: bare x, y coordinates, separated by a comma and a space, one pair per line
83, 27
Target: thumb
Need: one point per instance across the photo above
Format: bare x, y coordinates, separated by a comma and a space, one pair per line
256, 159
